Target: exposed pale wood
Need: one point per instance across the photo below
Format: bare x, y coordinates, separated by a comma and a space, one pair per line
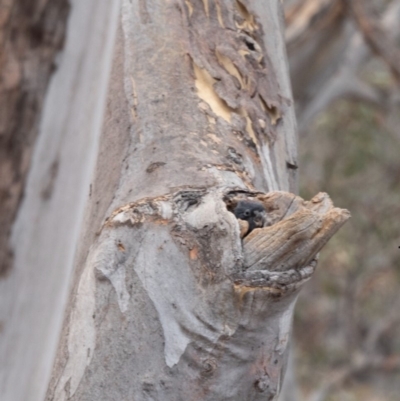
244, 227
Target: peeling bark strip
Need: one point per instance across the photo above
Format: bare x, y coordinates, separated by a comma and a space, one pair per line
233, 73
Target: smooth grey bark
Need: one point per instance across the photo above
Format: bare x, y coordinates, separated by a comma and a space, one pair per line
290, 389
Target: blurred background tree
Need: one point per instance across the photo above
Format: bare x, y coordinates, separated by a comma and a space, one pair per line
343, 59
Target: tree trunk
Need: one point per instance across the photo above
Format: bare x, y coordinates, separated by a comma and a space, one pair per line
168, 301
326, 54
46, 231
31, 34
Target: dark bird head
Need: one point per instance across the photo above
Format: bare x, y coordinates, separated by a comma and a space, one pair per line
253, 212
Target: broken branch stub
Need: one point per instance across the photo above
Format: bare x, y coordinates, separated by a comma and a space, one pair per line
297, 232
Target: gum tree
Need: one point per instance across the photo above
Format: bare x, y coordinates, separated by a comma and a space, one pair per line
169, 301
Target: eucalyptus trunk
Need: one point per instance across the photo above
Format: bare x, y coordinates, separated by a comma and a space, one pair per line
169, 299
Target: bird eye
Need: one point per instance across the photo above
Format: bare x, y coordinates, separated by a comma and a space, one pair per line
247, 213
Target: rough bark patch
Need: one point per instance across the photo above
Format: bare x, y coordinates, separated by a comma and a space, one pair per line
233, 73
